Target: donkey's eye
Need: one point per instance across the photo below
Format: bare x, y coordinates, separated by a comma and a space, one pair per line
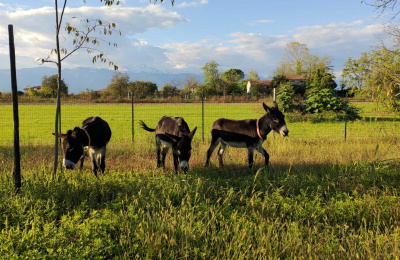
276, 120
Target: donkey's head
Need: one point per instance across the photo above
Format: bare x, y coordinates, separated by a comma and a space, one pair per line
72, 148
184, 148
276, 119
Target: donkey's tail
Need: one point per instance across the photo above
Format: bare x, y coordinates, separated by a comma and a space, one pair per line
145, 127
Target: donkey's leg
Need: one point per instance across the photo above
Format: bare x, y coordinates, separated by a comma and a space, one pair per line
262, 151
102, 160
82, 159
163, 154
176, 159
250, 154
158, 150
221, 151
94, 161
214, 144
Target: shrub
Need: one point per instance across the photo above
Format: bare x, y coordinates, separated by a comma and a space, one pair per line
323, 100
285, 97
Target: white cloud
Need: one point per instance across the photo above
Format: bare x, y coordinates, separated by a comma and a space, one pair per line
337, 35
35, 34
34, 37
339, 40
180, 66
243, 51
263, 52
192, 4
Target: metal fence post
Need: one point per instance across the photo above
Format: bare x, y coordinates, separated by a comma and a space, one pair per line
202, 114
133, 117
345, 118
17, 159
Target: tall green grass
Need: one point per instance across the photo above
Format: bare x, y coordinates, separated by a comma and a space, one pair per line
329, 211
321, 198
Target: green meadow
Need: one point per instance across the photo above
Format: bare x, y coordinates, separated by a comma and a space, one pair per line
321, 197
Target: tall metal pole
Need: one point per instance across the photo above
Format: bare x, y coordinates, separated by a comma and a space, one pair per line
345, 119
14, 88
133, 118
202, 114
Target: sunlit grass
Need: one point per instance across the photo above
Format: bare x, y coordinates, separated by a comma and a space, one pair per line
321, 198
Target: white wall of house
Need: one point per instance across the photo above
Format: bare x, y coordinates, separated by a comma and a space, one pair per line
248, 87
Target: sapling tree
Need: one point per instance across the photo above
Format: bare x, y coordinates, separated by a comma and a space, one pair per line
82, 39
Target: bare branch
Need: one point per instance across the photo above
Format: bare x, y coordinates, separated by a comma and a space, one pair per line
382, 6
62, 15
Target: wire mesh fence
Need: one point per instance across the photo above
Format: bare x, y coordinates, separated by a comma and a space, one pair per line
37, 121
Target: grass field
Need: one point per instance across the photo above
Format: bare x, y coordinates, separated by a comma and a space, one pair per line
322, 197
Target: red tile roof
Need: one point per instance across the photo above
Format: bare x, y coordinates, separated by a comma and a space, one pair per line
263, 82
295, 77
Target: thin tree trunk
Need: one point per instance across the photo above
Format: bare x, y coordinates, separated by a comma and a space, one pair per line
58, 108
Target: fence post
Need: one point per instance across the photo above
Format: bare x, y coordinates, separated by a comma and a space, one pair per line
17, 162
345, 118
133, 117
202, 115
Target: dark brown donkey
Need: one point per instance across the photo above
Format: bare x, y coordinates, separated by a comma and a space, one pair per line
173, 132
94, 135
249, 133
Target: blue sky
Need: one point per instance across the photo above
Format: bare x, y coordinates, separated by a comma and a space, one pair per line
248, 35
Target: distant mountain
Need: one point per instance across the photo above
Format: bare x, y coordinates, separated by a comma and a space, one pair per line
80, 79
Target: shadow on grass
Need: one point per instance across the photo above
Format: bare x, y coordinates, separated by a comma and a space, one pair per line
75, 190
381, 119
300, 178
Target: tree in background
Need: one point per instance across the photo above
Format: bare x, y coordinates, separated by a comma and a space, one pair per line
232, 78
233, 75
299, 61
143, 89
50, 86
168, 90
32, 92
119, 85
354, 73
190, 85
252, 75
321, 78
383, 81
376, 74
212, 80
278, 80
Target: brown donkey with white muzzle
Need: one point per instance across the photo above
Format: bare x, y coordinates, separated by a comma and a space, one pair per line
173, 132
249, 133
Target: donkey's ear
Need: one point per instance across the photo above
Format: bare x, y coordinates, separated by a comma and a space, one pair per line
74, 132
174, 137
61, 135
191, 134
266, 108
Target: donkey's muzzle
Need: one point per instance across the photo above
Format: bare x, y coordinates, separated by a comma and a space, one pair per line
284, 131
185, 166
68, 164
